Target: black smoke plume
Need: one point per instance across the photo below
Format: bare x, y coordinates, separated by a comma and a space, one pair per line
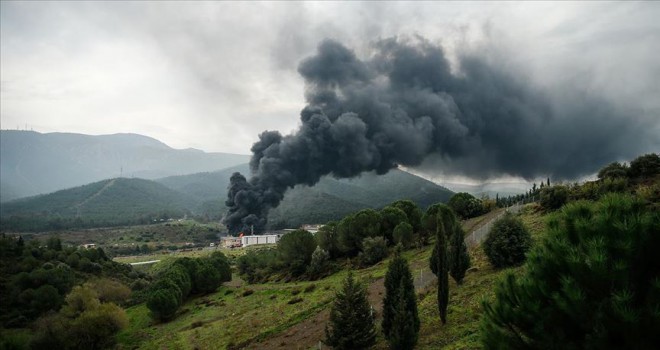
403, 105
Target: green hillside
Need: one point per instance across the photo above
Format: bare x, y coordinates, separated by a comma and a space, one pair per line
310, 205
327, 200
109, 202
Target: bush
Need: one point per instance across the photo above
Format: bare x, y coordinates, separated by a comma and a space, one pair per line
392, 217
413, 213
507, 242
593, 283
353, 229
163, 304
403, 234
109, 290
465, 205
319, 265
295, 250
554, 197
326, 238
645, 166
374, 250
613, 170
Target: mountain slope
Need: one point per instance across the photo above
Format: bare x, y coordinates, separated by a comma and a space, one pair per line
334, 197
33, 163
109, 202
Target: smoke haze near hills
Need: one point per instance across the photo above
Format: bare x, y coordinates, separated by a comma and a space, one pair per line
404, 105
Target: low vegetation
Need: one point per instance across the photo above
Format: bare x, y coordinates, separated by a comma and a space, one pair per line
583, 257
595, 256
507, 242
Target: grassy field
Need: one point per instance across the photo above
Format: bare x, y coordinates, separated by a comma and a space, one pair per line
240, 315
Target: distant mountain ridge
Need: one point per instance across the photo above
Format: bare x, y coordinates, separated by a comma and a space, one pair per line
33, 163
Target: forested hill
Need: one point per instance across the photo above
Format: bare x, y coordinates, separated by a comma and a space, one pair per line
125, 201
327, 200
33, 163
109, 202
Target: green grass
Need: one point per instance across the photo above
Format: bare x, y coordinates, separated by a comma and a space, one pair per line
228, 319
235, 320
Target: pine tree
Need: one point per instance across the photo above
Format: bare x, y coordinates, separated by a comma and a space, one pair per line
400, 317
404, 333
593, 283
351, 318
441, 268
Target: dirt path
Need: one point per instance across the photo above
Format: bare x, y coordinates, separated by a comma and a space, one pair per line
79, 205
480, 232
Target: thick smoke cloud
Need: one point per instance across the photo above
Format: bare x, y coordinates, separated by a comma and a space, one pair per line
404, 105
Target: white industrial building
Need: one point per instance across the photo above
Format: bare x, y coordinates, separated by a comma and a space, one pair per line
259, 239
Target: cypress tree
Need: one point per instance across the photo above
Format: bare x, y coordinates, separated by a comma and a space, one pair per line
440, 250
592, 283
459, 258
400, 304
351, 318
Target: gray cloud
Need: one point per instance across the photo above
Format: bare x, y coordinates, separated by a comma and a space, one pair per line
214, 75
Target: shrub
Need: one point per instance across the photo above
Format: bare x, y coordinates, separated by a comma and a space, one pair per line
163, 304
645, 166
374, 250
593, 283
392, 217
109, 290
613, 170
319, 265
326, 238
507, 242
295, 300
465, 205
353, 229
413, 213
403, 234
295, 251
554, 197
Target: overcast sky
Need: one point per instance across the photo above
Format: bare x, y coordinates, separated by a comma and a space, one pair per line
214, 75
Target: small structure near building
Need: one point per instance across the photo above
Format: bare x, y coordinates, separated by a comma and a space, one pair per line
259, 239
231, 242
312, 228
88, 246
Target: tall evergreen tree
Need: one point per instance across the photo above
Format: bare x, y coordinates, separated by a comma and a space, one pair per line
351, 318
441, 268
400, 304
459, 258
593, 283
404, 333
